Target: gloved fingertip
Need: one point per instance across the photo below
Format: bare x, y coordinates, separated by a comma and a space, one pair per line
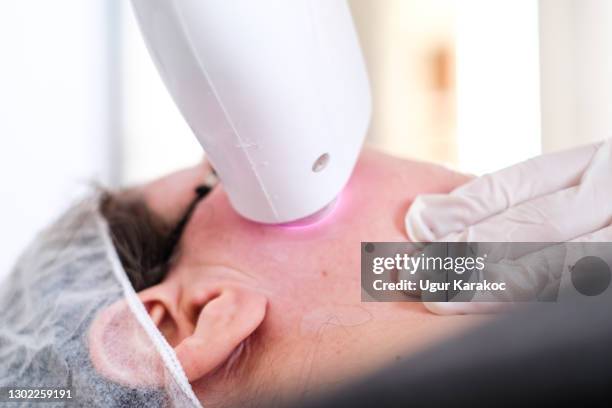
445, 308
416, 227
468, 308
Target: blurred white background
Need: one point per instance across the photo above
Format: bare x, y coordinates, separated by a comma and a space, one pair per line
473, 84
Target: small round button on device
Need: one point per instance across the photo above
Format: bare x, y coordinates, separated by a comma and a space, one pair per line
320, 163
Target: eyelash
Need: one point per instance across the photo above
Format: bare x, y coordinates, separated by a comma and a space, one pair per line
175, 235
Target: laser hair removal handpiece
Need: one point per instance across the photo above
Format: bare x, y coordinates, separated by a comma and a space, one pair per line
276, 92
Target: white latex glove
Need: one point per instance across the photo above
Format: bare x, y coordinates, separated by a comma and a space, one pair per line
557, 197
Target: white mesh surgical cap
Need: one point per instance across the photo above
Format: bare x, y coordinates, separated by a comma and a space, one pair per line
47, 306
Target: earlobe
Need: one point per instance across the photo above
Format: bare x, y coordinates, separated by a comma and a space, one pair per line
228, 316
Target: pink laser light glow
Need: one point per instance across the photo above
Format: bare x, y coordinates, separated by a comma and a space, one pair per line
315, 218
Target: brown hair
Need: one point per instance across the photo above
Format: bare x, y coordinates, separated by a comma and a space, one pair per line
144, 242
146, 245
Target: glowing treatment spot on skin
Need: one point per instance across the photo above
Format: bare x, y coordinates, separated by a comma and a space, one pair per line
280, 256
313, 219
336, 316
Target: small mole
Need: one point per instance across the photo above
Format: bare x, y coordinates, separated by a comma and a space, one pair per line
398, 358
324, 274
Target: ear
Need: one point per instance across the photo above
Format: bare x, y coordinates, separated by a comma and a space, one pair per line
205, 329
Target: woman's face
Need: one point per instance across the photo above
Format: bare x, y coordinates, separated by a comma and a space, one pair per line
292, 293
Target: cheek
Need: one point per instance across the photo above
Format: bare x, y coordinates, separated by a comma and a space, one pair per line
368, 209
216, 227
217, 234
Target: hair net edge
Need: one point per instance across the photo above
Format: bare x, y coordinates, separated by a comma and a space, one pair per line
166, 352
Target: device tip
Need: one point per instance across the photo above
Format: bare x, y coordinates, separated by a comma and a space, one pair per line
313, 218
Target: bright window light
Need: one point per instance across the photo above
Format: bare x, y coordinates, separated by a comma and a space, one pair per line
156, 140
498, 88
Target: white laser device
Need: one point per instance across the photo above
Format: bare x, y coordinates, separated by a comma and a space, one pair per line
276, 91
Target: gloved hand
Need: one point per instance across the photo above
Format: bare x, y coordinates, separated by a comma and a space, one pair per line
557, 197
